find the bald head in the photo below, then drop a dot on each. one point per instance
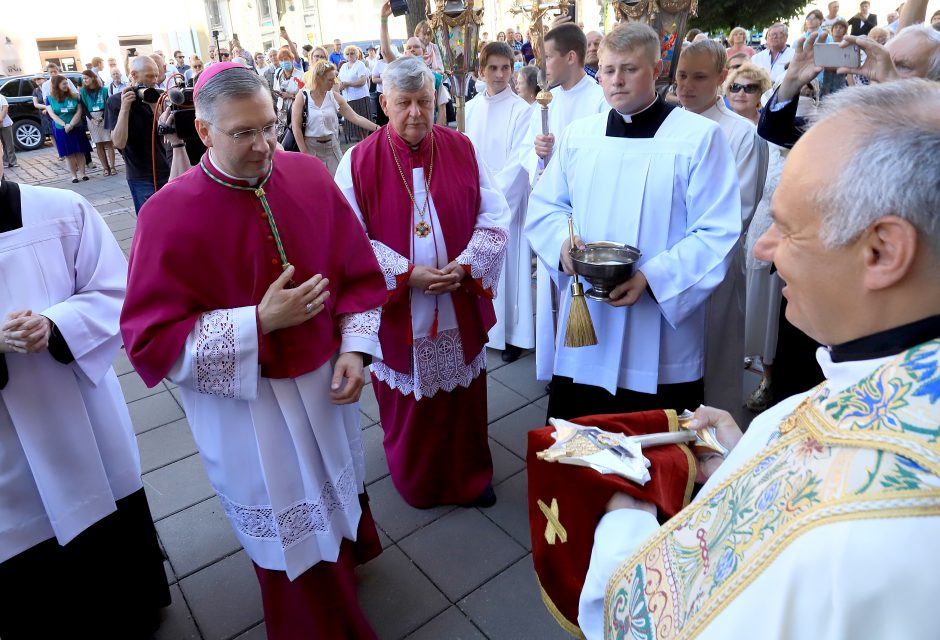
(144, 71)
(414, 47)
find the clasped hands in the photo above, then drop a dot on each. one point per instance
(434, 282)
(728, 433)
(626, 294)
(25, 332)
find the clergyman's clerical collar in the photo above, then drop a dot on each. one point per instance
(215, 165)
(889, 342)
(642, 124)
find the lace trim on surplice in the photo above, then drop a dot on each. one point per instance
(364, 324)
(392, 263)
(215, 354)
(300, 520)
(485, 254)
(438, 365)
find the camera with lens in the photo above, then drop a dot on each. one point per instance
(145, 93)
(184, 114)
(399, 7)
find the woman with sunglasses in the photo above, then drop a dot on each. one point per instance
(744, 87)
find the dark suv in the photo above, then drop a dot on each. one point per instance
(27, 120)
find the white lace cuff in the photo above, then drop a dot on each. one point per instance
(392, 263)
(485, 254)
(360, 332)
(220, 357)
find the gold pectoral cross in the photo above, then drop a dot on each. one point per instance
(422, 229)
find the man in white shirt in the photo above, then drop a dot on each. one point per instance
(699, 77)
(816, 522)
(777, 54)
(609, 173)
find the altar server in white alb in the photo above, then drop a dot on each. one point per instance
(497, 124)
(823, 521)
(658, 178)
(699, 77)
(575, 95)
(78, 551)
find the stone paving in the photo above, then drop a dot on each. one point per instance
(446, 573)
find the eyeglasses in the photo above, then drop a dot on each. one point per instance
(223, 55)
(749, 89)
(248, 136)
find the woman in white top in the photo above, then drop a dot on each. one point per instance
(320, 136)
(354, 84)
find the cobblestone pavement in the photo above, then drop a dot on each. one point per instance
(445, 572)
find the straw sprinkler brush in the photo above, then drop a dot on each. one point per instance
(579, 331)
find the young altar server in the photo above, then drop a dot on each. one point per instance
(574, 95)
(439, 228)
(699, 77)
(78, 551)
(823, 520)
(497, 124)
(651, 176)
(263, 324)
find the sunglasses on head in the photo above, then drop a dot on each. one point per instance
(749, 89)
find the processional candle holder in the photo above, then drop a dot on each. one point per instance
(456, 28)
(535, 11)
(668, 18)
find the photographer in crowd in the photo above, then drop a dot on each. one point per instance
(131, 113)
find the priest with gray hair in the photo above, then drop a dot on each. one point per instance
(265, 330)
(822, 521)
(438, 226)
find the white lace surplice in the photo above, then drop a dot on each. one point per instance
(287, 464)
(438, 362)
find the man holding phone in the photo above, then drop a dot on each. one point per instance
(913, 53)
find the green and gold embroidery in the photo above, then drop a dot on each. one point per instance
(872, 451)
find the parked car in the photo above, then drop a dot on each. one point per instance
(27, 120)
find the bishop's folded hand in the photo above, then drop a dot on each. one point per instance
(282, 307)
(434, 281)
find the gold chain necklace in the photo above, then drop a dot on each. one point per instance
(422, 229)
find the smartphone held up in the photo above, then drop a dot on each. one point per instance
(834, 56)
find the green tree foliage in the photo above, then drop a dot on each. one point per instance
(723, 15)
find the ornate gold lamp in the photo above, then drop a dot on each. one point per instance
(456, 27)
(668, 18)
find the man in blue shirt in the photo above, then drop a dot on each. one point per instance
(337, 56)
